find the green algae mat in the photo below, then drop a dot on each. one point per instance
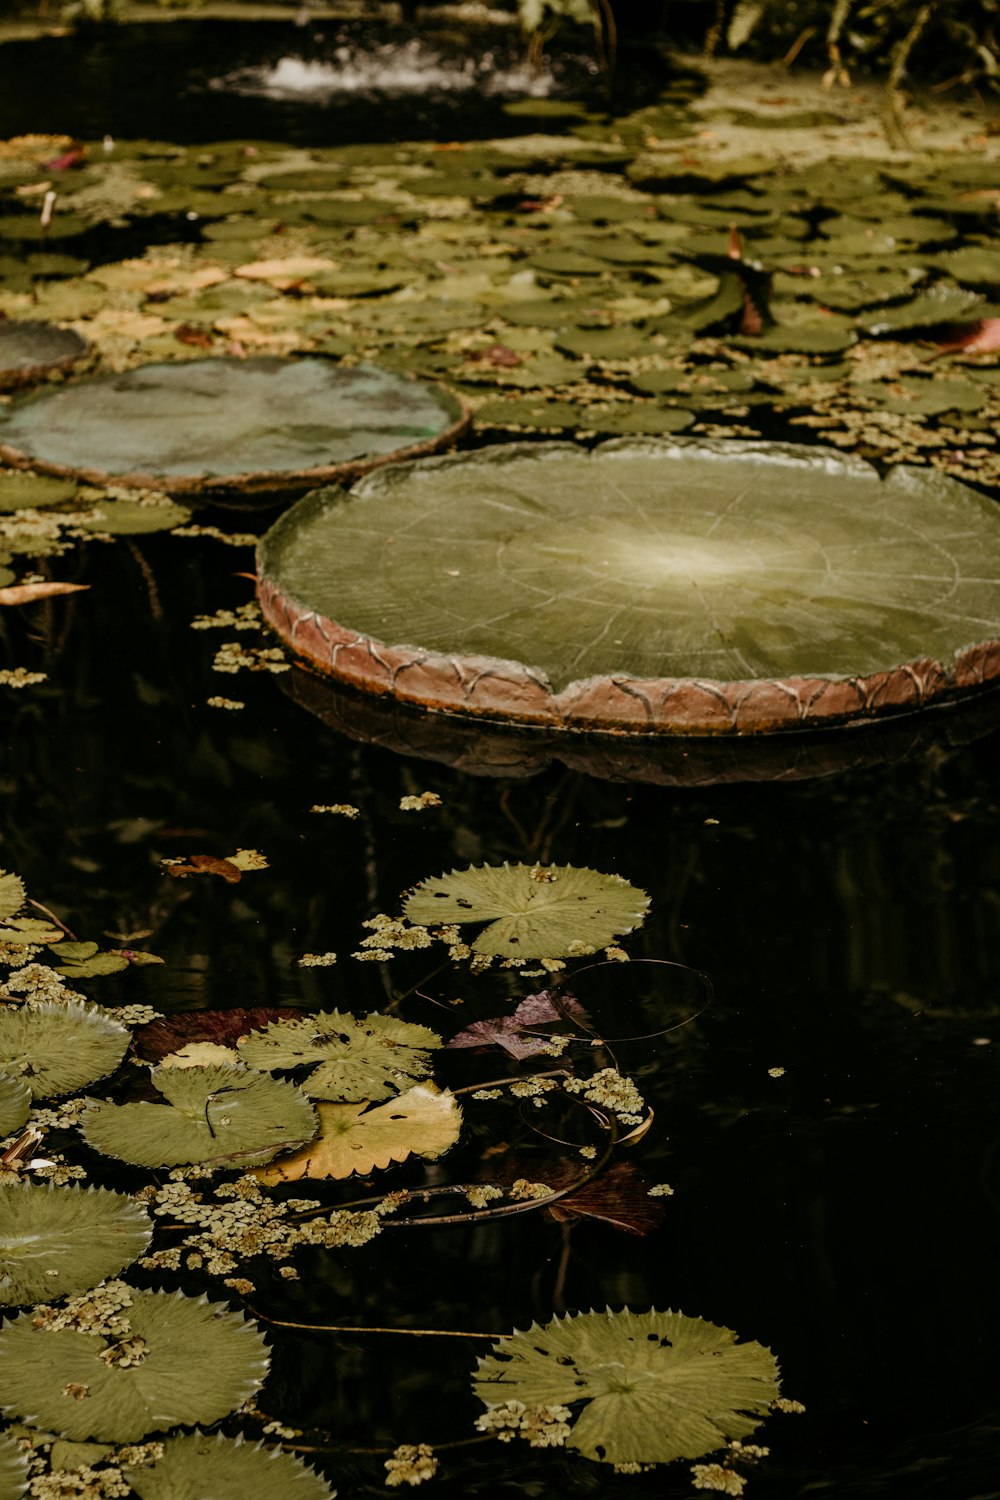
(242, 425)
(647, 585)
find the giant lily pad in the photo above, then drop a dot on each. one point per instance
(349, 1058)
(228, 1469)
(701, 587)
(182, 1360)
(239, 425)
(57, 1048)
(218, 1114)
(534, 911)
(655, 1386)
(56, 1241)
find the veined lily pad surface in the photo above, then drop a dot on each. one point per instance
(647, 585)
(55, 1241)
(229, 424)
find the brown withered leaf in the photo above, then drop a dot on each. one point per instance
(206, 864)
(619, 1197)
(27, 593)
(423, 1121)
(172, 1033)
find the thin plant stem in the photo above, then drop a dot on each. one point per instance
(892, 109)
(430, 1333)
(52, 917)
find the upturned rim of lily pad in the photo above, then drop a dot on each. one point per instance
(496, 688)
(252, 482)
(21, 377)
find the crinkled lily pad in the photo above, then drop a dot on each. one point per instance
(424, 1121)
(216, 1114)
(59, 1048)
(534, 911)
(349, 1057)
(654, 1386)
(197, 1465)
(939, 304)
(194, 1361)
(56, 1241)
(646, 585)
(242, 425)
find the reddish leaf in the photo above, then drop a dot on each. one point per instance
(206, 864)
(497, 354)
(160, 1038)
(74, 157)
(512, 1032)
(198, 338)
(27, 593)
(619, 1197)
(978, 338)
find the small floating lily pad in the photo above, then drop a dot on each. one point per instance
(31, 350)
(655, 1386)
(240, 425)
(180, 1360)
(349, 1057)
(58, 1048)
(195, 1465)
(533, 911)
(648, 585)
(56, 1241)
(223, 1114)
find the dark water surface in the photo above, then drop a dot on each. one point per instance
(844, 1214)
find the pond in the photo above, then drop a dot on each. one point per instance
(809, 1005)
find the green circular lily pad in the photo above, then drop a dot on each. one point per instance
(15, 1103)
(181, 1360)
(195, 1465)
(13, 1469)
(31, 350)
(220, 1114)
(702, 587)
(57, 1241)
(231, 425)
(58, 1048)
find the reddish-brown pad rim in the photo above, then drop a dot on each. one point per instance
(492, 688)
(21, 377)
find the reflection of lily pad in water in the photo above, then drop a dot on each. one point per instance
(217, 424)
(647, 585)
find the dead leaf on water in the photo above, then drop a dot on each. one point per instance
(424, 1121)
(27, 593)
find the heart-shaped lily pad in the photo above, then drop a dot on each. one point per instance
(216, 1114)
(424, 1121)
